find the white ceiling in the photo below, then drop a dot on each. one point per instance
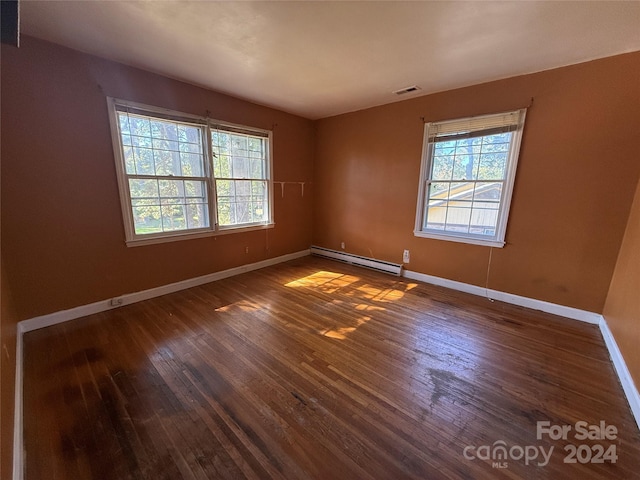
(318, 59)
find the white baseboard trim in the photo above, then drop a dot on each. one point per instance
(628, 385)
(18, 443)
(532, 303)
(129, 298)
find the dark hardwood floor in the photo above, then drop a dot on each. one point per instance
(316, 369)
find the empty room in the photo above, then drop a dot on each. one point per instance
(320, 240)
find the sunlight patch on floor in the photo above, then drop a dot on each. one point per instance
(243, 305)
(381, 295)
(369, 308)
(342, 332)
(329, 282)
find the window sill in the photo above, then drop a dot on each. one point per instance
(460, 239)
(139, 242)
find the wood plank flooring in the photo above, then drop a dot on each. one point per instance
(316, 369)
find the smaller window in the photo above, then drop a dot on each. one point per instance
(467, 175)
(241, 172)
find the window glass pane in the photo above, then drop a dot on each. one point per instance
(188, 134)
(164, 130)
(458, 219)
(488, 193)
(439, 191)
(484, 221)
(187, 147)
(256, 146)
(436, 216)
(221, 148)
(221, 141)
(258, 188)
(170, 188)
(239, 145)
(259, 201)
(222, 165)
(167, 163)
(438, 196)
(225, 188)
(197, 215)
(162, 144)
(139, 141)
(445, 148)
(173, 217)
(492, 166)
(498, 138)
(461, 191)
(225, 214)
(123, 120)
(243, 210)
(442, 167)
(147, 219)
(191, 164)
(143, 158)
(129, 162)
(140, 188)
(240, 167)
(194, 189)
(464, 167)
(139, 126)
(257, 168)
(243, 188)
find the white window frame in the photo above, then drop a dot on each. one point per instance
(433, 130)
(207, 125)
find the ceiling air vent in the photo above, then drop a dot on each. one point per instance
(411, 89)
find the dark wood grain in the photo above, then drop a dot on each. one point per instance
(315, 369)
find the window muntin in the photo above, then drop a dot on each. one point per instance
(185, 175)
(468, 169)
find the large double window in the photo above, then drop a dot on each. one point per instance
(467, 176)
(182, 175)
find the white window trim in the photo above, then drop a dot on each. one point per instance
(503, 216)
(131, 238)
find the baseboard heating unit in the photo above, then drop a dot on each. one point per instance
(372, 263)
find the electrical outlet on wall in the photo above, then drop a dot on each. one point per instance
(405, 256)
(342, 245)
(116, 302)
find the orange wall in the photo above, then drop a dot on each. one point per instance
(63, 237)
(8, 321)
(622, 310)
(576, 177)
